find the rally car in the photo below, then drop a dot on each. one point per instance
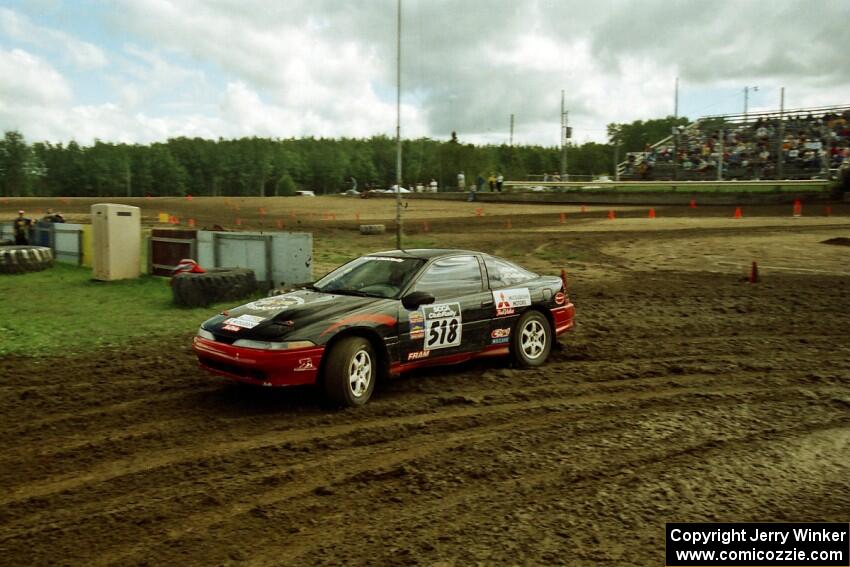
(386, 313)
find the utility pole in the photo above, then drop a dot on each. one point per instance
(780, 157)
(511, 142)
(398, 133)
(676, 99)
(564, 137)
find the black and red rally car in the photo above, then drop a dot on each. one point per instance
(386, 313)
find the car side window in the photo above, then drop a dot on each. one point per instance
(452, 276)
(502, 273)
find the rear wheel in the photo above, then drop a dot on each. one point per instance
(532, 339)
(350, 371)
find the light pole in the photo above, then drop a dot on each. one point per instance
(398, 134)
(747, 100)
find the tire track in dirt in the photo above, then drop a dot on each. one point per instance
(218, 448)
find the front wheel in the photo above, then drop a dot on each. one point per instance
(532, 340)
(349, 375)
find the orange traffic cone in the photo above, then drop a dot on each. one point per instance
(425, 227)
(508, 224)
(238, 221)
(612, 215)
(651, 213)
(738, 213)
(479, 212)
(563, 218)
(827, 211)
(583, 209)
(262, 211)
(357, 217)
(693, 204)
(754, 274)
(191, 223)
(798, 208)
(279, 224)
(189, 197)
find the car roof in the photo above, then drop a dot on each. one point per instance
(423, 253)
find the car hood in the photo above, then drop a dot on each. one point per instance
(303, 313)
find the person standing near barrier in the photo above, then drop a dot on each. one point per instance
(461, 181)
(499, 180)
(492, 181)
(433, 185)
(21, 227)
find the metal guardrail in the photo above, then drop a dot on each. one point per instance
(614, 184)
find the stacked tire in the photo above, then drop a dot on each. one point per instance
(23, 259)
(213, 286)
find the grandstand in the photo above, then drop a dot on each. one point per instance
(805, 143)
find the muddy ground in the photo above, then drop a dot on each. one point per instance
(684, 394)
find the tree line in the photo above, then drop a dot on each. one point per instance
(268, 167)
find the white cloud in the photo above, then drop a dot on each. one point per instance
(327, 68)
(80, 53)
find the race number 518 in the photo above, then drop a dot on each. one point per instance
(443, 332)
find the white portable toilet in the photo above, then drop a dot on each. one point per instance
(117, 235)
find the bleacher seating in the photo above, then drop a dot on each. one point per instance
(798, 144)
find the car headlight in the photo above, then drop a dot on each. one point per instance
(269, 345)
(204, 334)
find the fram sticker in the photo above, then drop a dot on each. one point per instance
(508, 300)
(231, 328)
(443, 325)
(416, 317)
(244, 321)
(419, 354)
(305, 364)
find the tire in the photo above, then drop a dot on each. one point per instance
(372, 229)
(21, 259)
(531, 340)
(350, 372)
(213, 286)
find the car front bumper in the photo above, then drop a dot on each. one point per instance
(293, 367)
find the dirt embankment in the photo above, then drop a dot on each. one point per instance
(680, 397)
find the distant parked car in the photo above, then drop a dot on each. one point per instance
(305, 193)
(352, 192)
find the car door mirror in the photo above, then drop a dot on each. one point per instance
(415, 299)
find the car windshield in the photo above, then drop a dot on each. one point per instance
(371, 276)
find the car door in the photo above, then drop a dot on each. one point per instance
(510, 294)
(458, 320)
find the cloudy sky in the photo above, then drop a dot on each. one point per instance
(146, 70)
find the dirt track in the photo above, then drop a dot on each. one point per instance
(683, 395)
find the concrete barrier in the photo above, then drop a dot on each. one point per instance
(630, 193)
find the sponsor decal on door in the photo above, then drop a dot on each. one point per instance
(508, 300)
